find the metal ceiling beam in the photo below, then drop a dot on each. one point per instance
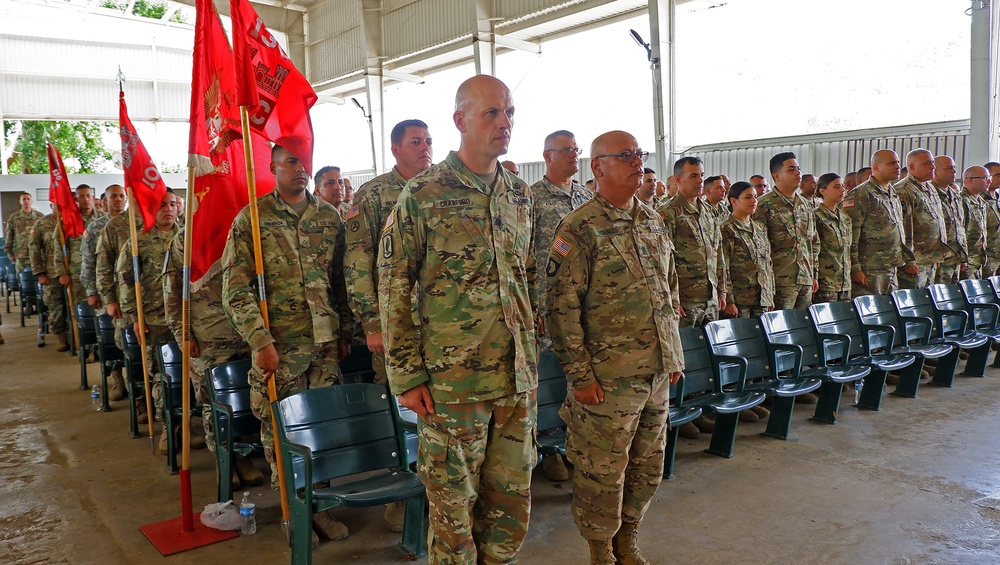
(484, 47)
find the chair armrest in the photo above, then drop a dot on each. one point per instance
(843, 339)
(878, 328)
(995, 308)
(921, 321)
(794, 349)
(743, 364)
(306, 454)
(218, 409)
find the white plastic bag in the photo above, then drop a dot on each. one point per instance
(222, 516)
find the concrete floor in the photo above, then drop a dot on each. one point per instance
(916, 483)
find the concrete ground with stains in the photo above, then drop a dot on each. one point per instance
(916, 483)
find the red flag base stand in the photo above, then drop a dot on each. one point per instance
(186, 532)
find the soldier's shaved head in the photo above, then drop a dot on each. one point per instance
(617, 179)
(944, 170)
(975, 179)
(484, 114)
(885, 166)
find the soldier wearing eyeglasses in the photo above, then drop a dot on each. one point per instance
(992, 200)
(612, 312)
(974, 183)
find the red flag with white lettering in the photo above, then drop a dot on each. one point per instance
(61, 195)
(215, 148)
(276, 94)
(141, 174)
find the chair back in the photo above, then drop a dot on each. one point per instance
(876, 309)
(995, 283)
(357, 367)
(793, 327)
(699, 370)
(229, 384)
(85, 325)
(106, 338)
(551, 391)
(169, 361)
(24, 282)
(739, 337)
(950, 297)
(917, 303)
(12, 276)
(978, 291)
(839, 318)
(349, 428)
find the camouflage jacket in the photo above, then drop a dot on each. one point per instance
(468, 246)
(303, 275)
(74, 247)
(791, 230)
(109, 246)
(41, 245)
(701, 268)
(152, 253)
(954, 221)
(550, 204)
(974, 208)
(834, 228)
(748, 257)
(924, 224)
(17, 233)
(208, 320)
(372, 203)
(612, 296)
(878, 241)
(88, 269)
(720, 212)
(992, 213)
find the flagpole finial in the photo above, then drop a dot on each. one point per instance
(121, 80)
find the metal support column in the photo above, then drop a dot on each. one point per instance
(661, 42)
(483, 41)
(982, 119)
(371, 28)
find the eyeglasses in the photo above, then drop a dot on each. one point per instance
(627, 156)
(974, 178)
(567, 150)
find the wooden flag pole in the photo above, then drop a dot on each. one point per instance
(185, 475)
(69, 288)
(133, 232)
(272, 391)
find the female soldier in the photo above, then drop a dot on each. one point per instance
(750, 284)
(834, 228)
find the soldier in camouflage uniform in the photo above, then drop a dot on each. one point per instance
(152, 246)
(611, 278)
(302, 247)
(992, 200)
(462, 231)
(716, 188)
(70, 278)
(691, 227)
(16, 232)
(835, 232)
(976, 209)
(42, 241)
(878, 246)
(553, 197)
(954, 214)
(924, 223)
(791, 230)
(747, 251)
(411, 146)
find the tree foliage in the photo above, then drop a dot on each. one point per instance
(80, 144)
(154, 9)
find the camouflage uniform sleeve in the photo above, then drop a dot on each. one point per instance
(338, 286)
(8, 245)
(402, 244)
(906, 203)
(722, 267)
(89, 245)
(239, 286)
(58, 254)
(676, 353)
(104, 269)
(856, 212)
(173, 282)
(814, 248)
(38, 266)
(360, 264)
(126, 282)
(728, 242)
(568, 279)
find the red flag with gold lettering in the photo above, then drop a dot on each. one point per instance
(141, 174)
(61, 195)
(276, 94)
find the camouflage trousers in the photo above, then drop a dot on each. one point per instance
(990, 268)
(973, 272)
(155, 337)
(878, 283)
(798, 297)
(321, 369)
(475, 461)
(822, 296)
(378, 363)
(617, 450)
(55, 300)
(925, 277)
(946, 273)
(212, 353)
(79, 294)
(697, 314)
(751, 311)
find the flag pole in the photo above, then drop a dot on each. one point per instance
(133, 232)
(69, 289)
(187, 517)
(272, 391)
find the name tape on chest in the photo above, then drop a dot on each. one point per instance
(273, 224)
(452, 203)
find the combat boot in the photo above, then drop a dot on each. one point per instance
(141, 416)
(328, 527)
(395, 513)
(749, 416)
(625, 548)
(704, 425)
(163, 442)
(689, 431)
(116, 388)
(807, 398)
(63, 342)
(250, 475)
(554, 468)
(600, 552)
(197, 441)
(761, 412)
(41, 338)
(1, 339)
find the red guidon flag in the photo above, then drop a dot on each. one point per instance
(141, 174)
(61, 195)
(215, 146)
(275, 93)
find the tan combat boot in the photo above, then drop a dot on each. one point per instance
(163, 442)
(554, 468)
(626, 551)
(250, 475)
(328, 527)
(63, 342)
(1, 339)
(395, 514)
(116, 388)
(600, 552)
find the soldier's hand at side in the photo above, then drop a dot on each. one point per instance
(815, 285)
(135, 328)
(343, 349)
(267, 360)
(912, 270)
(418, 399)
(961, 268)
(94, 301)
(722, 302)
(859, 277)
(375, 343)
(43, 279)
(114, 310)
(680, 312)
(731, 310)
(64, 280)
(590, 394)
(674, 377)
(193, 348)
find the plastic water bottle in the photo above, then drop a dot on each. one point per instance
(95, 398)
(858, 385)
(249, 512)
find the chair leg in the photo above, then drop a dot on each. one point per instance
(414, 531)
(828, 403)
(670, 452)
(779, 423)
(82, 355)
(724, 436)
(301, 524)
(996, 360)
(975, 366)
(133, 430)
(909, 379)
(944, 374)
(224, 459)
(871, 391)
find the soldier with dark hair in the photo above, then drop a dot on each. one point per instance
(835, 232)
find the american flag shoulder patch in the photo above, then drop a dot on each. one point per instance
(561, 247)
(390, 220)
(352, 212)
(847, 204)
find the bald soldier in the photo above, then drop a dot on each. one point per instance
(974, 183)
(924, 224)
(611, 278)
(462, 231)
(992, 199)
(943, 181)
(878, 246)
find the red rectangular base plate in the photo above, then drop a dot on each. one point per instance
(169, 536)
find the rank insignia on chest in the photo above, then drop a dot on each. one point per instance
(561, 247)
(352, 212)
(643, 250)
